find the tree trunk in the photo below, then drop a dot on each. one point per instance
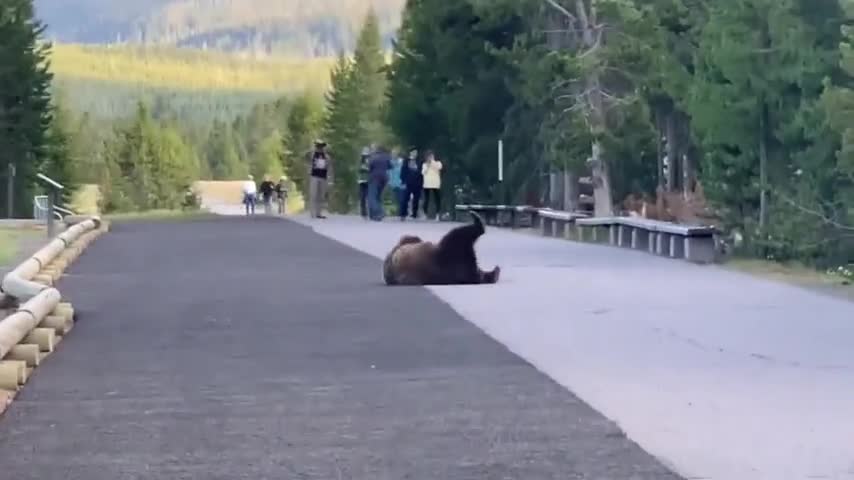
(687, 176)
(602, 197)
(688, 164)
(572, 191)
(673, 156)
(603, 203)
(556, 190)
(659, 150)
(763, 168)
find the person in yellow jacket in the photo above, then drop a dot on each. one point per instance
(432, 171)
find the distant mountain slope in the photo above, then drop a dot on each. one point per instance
(295, 27)
(106, 81)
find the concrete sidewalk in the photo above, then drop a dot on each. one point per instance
(722, 375)
(234, 348)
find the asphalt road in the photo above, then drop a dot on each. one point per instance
(255, 348)
(722, 375)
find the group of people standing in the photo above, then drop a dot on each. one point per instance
(267, 189)
(409, 179)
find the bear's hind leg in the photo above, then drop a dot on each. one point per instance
(490, 277)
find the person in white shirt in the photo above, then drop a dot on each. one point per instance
(250, 193)
(432, 171)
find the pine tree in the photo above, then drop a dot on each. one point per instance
(61, 156)
(832, 204)
(149, 166)
(302, 125)
(268, 157)
(450, 92)
(369, 79)
(759, 67)
(344, 129)
(25, 110)
(224, 153)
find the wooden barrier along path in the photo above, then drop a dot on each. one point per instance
(694, 243)
(40, 319)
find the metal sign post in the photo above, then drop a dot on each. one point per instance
(500, 171)
(53, 187)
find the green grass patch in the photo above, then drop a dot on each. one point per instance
(176, 215)
(796, 274)
(11, 240)
(789, 272)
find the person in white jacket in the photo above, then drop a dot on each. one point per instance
(250, 193)
(432, 171)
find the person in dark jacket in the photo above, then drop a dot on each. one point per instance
(378, 167)
(321, 168)
(413, 182)
(267, 189)
(363, 181)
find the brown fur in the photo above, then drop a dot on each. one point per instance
(414, 261)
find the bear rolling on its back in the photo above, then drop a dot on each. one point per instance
(450, 262)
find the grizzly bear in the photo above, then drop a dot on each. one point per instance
(452, 261)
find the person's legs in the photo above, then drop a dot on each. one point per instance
(252, 204)
(403, 202)
(363, 199)
(416, 198)
(438, 202)
(379, 200)
(321, 198)
(313, 196)
(374, 199)
(397, 197)
(427, 194)
(434, 194)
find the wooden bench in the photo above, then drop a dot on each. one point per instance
(557, 223)
(497, 214)
(694, 243)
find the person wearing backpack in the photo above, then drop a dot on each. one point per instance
(321, 172)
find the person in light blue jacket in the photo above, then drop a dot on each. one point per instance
(394, 180)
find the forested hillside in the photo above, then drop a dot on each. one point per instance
(316, 28)
(108, 81)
